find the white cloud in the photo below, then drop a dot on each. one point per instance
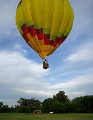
(19, 48)
(35, 92)
(14, 65)
(73, 83)
(83, 53)
(80, 85)
(21, 76)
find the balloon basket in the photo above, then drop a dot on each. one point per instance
(45, 64)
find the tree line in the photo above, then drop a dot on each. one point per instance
(60, 103)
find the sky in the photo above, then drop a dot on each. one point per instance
(71, 65)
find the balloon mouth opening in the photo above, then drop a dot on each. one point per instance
(43, 54)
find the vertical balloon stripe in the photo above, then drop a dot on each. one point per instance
(33, 33)
(30, 44)
(19, 18)
(70, 24)
(68, 28)
(36, 12)
(56, 41)
(32, 30)
(28, 35)
(64, 26)
(29, 21)
(57, 17)
(24, 29)
(48, 7)
(46, 39)
(25, 7)
(27, 40)
(66, 17)
(40, 33)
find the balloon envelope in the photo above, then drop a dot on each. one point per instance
(44, 24)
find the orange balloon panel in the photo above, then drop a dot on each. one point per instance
(44, 24)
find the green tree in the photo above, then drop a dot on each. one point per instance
(61, 97)
(52, 105)
(87, 104)
(58, 107)
(1, 106)
(28, 105)
(83, 104)
(47, 105)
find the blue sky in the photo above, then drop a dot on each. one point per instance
(71, 65)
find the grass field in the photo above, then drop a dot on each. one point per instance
(18, 116)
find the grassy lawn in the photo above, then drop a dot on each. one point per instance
(19, 116)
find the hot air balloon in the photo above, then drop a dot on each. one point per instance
(44, 24)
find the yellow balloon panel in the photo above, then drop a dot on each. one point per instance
(36, 12)
(25, 7)
(57, 16)
(44, 24)
(47, 7)
(66, 17)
